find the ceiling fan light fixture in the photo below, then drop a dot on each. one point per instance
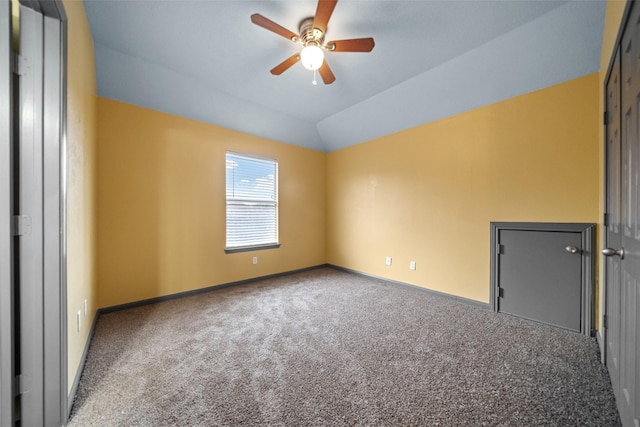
(311, 57)
(311, 37)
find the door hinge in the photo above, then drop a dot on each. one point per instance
(500, 249)
(605, 118)
(18, 385)
(21, 225)
(20, 64)
(500, 292)
(605, 321)
(17, 65)
(606, 219)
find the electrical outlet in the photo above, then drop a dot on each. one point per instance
(255, 259)
(79, 320)
(388, 260)
(84, 305)
(412, 265)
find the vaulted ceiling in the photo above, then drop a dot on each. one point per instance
(206, 61)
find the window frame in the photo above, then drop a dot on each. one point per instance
(276, 203)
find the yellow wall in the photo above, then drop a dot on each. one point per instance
(428, 194)
(81, 181)
(15, 25)
(161, 205)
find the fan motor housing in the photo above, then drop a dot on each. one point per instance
(310, 35)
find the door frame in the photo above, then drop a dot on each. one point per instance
(587, 277)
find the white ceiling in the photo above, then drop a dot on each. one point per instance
(205, 60)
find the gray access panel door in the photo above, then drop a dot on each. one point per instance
(539, 276)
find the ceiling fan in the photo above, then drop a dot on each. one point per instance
(312, 32)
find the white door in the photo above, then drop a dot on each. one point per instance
(623, 222)
(39, 298)
(30, 209)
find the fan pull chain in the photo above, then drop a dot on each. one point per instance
(314, 82)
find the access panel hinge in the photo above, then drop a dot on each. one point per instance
(21, 225)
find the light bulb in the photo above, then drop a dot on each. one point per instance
(311, 57)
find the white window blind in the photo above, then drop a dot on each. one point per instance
(252, 202)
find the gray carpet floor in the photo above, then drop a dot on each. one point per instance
(325, 347)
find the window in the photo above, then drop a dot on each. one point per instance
(252, 203)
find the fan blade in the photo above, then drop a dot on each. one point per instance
(353, 45)
(323, 13)
(268, 24)
(326, 73)
(285, 65)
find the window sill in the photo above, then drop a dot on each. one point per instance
(251, 248)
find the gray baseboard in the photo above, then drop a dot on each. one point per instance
(203, 290)
(83, 360)
(600, 340)
(485, 306)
